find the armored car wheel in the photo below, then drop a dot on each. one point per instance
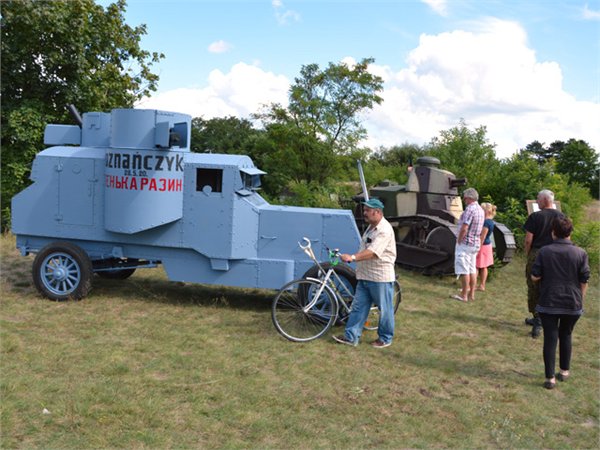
(115, 268)
(62, 271)
(117, 274)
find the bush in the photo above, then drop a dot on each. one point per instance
(514, 216)
(587, 236)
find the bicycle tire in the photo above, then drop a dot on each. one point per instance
(372, 322)
(289, 317)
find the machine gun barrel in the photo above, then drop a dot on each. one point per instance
(75, 114)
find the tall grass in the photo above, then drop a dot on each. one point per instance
(147, 363)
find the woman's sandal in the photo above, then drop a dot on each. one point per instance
(549, 384)
(459, 298)
(563, 376)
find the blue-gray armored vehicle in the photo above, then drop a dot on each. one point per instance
(121, 190)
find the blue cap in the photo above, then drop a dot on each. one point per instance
(373, 203)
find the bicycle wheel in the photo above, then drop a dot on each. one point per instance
(344, 282)
(372, 322)
(291, 319)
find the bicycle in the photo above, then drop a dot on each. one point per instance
(306, 308)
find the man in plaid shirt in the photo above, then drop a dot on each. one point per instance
(470, 225)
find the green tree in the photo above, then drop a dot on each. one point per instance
(222, 135)
(579, 162)
(467, 154)
(520, 178)
(574, 159)
(295, 156)
(59, 52)
(544, 154)
(326, 104)
(313, 138)
(392, 163)
(230, 135)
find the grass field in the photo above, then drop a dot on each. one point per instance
(148, 363)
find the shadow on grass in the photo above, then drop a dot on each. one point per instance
(462, 371)
(458, 317)
(149, 289)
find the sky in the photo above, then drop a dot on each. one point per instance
(526, 70)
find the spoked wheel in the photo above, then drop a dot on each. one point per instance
(62, 271)
(372, 322)
(293, 321)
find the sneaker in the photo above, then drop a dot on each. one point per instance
(380, 344)
(343, 340)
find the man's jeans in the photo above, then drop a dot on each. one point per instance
(368, 293)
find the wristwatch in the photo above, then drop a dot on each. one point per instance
(353, 257)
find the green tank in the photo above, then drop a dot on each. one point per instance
(424, 213)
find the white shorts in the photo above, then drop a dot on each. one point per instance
(465, 257)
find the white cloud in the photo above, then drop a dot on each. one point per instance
(488, 76)
(219, 47)
(590, 14)
(240, 92)
(439, 6)
(282, 15)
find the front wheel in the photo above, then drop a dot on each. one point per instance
(372, 322)
(62, 271)
(290, 316)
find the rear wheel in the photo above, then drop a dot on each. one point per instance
(62, 271)
(115, 268)
(117, 274)
(372, 322)
(289, 314)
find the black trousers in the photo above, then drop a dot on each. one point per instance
(558, 328)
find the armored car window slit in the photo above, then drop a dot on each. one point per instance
(209, 177)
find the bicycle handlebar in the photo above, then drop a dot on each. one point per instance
(304, 247)
(334, 254)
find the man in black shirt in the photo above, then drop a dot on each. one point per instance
(538, 233)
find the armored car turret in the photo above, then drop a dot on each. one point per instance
(122, 190)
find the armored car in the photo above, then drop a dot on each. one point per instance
(122, 190)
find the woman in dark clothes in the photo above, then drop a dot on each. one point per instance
(563, 271)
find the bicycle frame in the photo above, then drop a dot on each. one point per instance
(326, 281)
(306, 308)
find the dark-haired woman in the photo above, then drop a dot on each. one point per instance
(563, 271)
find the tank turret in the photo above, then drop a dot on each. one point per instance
(429, 190)
(425, 212)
